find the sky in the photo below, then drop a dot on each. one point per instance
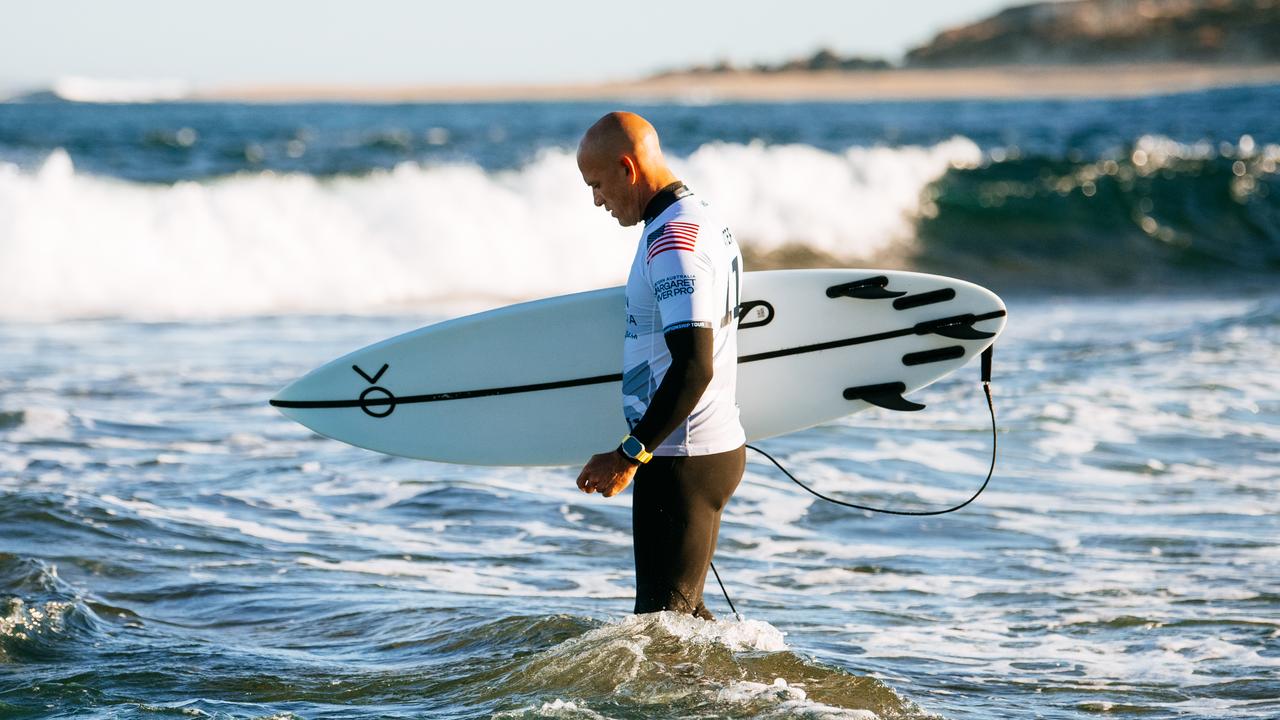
(235, 43)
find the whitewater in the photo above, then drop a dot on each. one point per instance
(79, 245)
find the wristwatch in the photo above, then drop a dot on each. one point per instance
(633, 450)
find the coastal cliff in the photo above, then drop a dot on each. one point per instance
(1112, 31)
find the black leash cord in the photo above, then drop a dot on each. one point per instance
(726, 592)
(986, 389)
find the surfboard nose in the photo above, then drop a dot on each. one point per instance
(331, 381)
(281, 402)
(292, 399)
(285, 394)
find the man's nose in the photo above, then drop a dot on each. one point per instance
(597, 198)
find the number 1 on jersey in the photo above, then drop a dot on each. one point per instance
(732, 295)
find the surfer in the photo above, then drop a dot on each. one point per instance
(685, 451)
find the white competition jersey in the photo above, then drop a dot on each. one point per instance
(687, 273)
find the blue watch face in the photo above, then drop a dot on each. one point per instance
(632, 447)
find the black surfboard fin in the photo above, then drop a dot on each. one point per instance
(872, 288)
(963, 332)
(959, 327)
(885, 395)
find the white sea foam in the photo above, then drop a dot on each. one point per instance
(78, 88)
(732, 634)
(23, 621)
(431, 537)
(76, 245)
(791, 701)
(208, 517)
(557, 708)
(448, 577)
(984, 646)
(40, 423)
(736, 635)
(860, 203)
(568, 709)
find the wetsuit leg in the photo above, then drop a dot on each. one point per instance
(675, 521)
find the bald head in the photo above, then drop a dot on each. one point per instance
(621, 160)
(621, 133)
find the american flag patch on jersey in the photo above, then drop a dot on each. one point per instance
(672, 236)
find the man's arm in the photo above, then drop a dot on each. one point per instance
(677, 395)
(681, 388)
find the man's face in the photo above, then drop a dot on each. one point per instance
(612, 187)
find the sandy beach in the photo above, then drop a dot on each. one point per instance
(896, 84)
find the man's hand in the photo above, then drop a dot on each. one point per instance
(607, 473)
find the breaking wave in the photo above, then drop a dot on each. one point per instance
(77, 245)
(1156, 211)
(80, 245)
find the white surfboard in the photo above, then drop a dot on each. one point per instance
(539, 383)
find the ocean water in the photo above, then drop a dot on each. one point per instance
(172, 547)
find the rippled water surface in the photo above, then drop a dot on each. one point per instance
(171, 547)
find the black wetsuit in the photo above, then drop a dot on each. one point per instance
(675, 518)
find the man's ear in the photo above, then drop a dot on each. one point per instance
(629, 164)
